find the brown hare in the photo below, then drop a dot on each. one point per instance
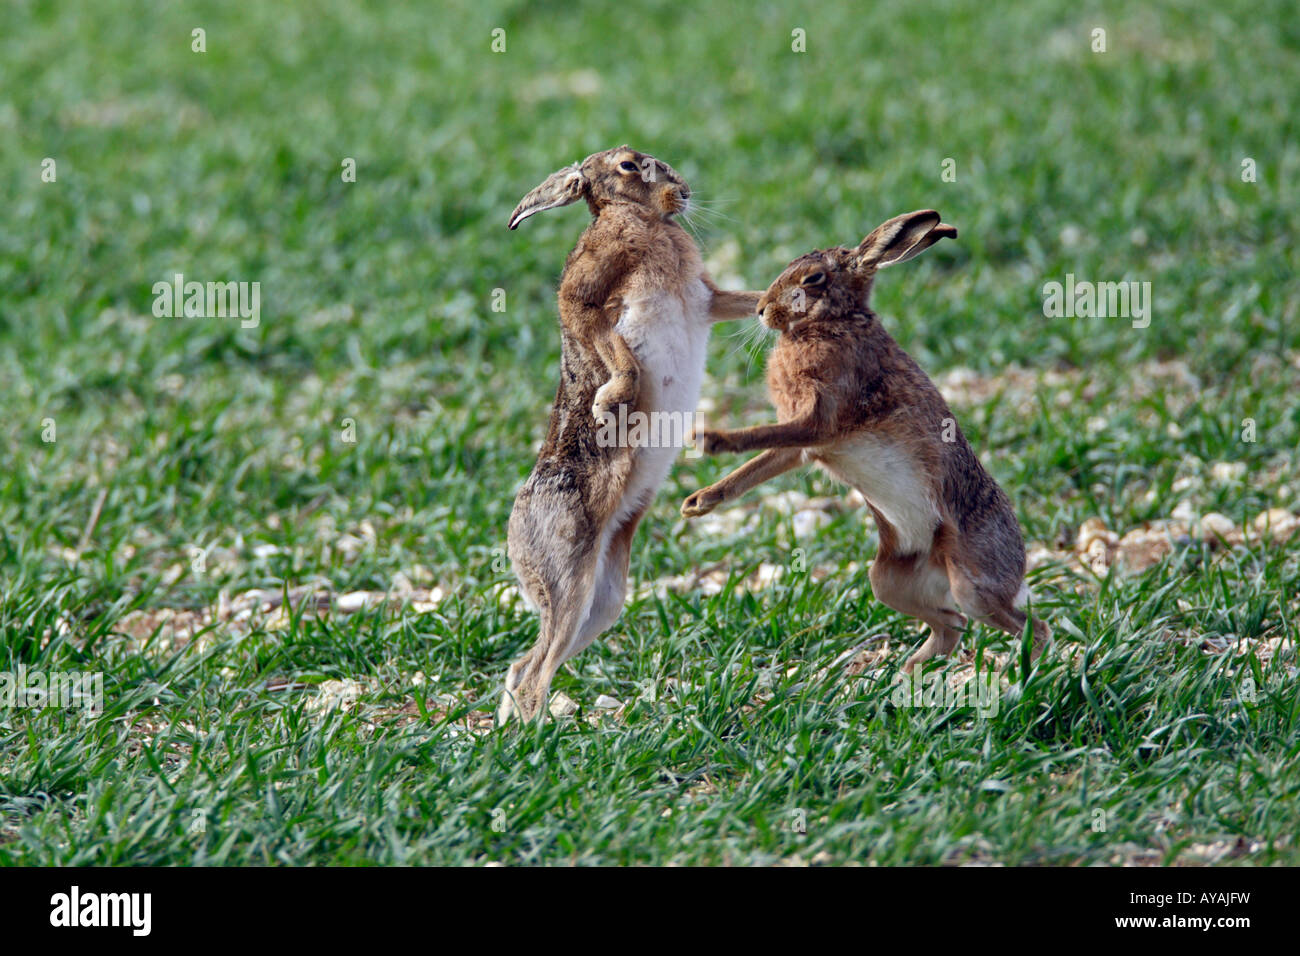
(851, 400)
(635, 310)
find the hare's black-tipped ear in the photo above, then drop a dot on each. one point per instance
(562, 187)
(901, 238)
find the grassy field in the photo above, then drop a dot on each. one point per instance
(168, 481)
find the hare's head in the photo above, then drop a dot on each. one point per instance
(833, 283)
(620, 175)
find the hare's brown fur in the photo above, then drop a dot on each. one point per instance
(851, 400)
(635, 306)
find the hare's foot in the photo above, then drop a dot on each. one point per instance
(523, 702)
(617, 391)
(702, 502)
(518, 696)
(941, 642)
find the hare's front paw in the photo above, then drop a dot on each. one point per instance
(609, 397)
(701, 503)
(710, 442)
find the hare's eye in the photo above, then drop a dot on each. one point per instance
(817, 278)
(628, 166)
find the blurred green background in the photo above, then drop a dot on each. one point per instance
(226, 166)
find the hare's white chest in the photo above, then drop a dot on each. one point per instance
(669, 332)
(892, 481)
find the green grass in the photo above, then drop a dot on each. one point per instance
(741, 729)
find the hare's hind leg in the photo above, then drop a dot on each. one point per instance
(919, 589)
(553, 548)
(610, 589)
(995, 607)
(1011, 618)
(528, 682)
(942, 641)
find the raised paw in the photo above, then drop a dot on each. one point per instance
(710, 442)
(701, 503)
(609, 397)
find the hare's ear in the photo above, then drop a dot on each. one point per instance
(901, 238)
(562, 187)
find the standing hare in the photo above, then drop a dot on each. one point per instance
(850, 399)
(635, 310)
